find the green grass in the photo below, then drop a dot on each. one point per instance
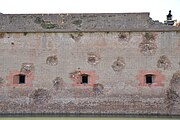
(81, 118)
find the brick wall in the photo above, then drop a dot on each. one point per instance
(116, 64)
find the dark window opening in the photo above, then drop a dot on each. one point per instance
(149, 79)
(21, 79)
(84, 78)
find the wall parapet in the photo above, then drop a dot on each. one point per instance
(87, 22)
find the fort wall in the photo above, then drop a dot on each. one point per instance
(133, 70)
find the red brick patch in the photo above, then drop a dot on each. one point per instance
(76, 77)
(158, 77)
(28, 79)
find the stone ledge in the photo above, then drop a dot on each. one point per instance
(86, 22)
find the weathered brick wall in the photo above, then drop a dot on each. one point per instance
(80, 22)
(116, 64)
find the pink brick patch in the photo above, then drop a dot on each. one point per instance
(13, 82)
(158, 77)
(76, 77)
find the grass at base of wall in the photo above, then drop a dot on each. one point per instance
(83, 118)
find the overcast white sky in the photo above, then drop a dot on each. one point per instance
(158, 8)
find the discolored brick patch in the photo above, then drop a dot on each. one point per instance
(52, 60)
(119, 64)
(164, 62)
(148, 45)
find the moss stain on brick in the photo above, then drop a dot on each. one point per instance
(77, 22)
(45, 23)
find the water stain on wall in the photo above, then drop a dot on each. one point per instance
(123, 36)
(119, 64)
(1, 80)
(175, 81)
(148, 45)
(171, 98)
(2, 35)
(164, 62)
(52, 60)
(76, 36)
(98, 89)
(18, 92)
(40, 96)
(58, 83)
(93, 58)
(173, 93)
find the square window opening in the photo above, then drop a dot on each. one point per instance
(84, 79)
(19, 79)
(149, 78)
(22, 79)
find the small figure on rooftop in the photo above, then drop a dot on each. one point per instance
(169, 16)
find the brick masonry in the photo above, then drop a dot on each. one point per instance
(53, 61)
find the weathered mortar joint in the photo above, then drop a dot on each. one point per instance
(52, 60)
(148, 45)
(119, 64)
(40, 96)
(164, 62)
(93, 58)
(76, 36)
(98, 89)
(58, 83)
